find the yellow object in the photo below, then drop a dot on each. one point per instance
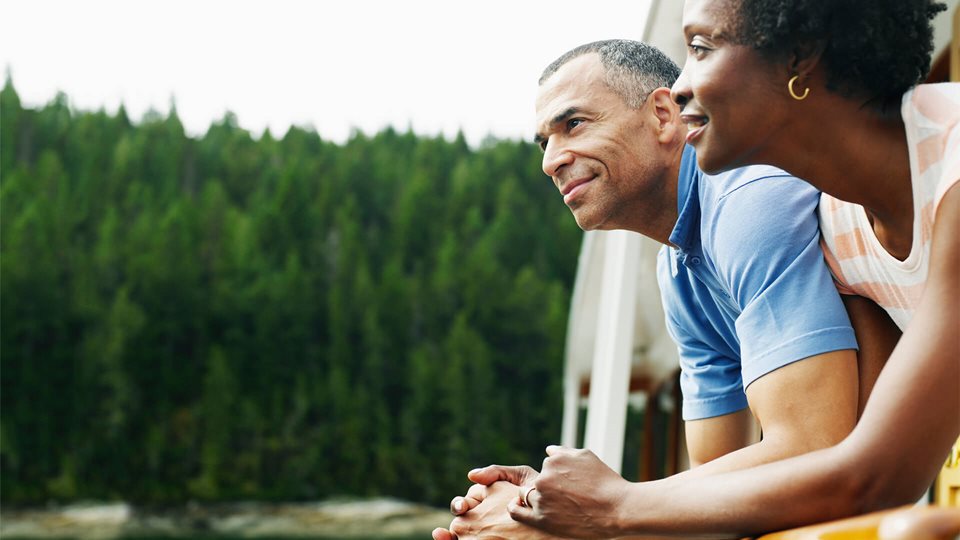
(856, 528)
(806, 91)
(906, 523)
(947, 493)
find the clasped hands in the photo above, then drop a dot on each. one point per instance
(575, 496)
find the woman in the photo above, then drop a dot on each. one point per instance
(826, 90)
(840, 108)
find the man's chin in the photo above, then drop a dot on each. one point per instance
(591, 223)
(594, 217)
(584, 223)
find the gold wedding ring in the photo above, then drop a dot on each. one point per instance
(525, 495)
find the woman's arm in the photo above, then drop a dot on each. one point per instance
(907, 428)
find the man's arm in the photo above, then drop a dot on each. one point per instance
(711, 438)
(910, 421)
(877, 335)
(803, 406)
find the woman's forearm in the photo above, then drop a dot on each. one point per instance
(909, 424)
(890, 458)
(801, 490)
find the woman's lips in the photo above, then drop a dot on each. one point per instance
(695, 125)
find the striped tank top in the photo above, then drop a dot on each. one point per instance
(859, 263)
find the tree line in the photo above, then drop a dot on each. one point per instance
(230, 317)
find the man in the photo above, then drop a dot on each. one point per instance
(744, 287)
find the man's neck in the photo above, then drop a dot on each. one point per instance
(661, 216)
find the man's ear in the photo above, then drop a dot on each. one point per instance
(667, 114)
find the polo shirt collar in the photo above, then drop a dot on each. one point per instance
(684, 234)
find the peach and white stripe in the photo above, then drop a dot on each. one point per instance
(860, 264)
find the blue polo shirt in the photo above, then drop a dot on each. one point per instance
(745, 290)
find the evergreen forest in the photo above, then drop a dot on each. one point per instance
(240, 316)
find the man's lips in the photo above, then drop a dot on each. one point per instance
(571, 188)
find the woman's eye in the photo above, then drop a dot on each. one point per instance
(697, 50)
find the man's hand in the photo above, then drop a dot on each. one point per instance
(576, 495)
(519, 475)
(488, 518)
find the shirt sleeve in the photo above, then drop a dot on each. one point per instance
(951, 163)
(775, 271)
(931, 113)
(710, 379)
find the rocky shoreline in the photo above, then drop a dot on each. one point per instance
(377, 518)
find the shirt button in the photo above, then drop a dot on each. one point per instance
(695, 260)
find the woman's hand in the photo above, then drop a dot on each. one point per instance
(576, 496)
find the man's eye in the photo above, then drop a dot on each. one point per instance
(543, 145)
(573, 122)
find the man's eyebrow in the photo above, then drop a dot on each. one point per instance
(558, 119)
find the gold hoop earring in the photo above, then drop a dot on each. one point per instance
(806, 91)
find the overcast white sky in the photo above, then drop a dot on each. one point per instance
(435, 65)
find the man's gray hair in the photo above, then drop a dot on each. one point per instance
(633, 69)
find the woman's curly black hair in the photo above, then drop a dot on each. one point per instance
(875, 49)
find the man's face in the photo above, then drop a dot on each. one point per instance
(599, 152)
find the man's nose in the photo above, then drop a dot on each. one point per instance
(555, 156)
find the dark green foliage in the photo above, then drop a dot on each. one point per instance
(225, 317)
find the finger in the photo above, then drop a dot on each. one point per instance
(475, 495)
(442, 534)
(556, 450)
(519, 474)
(533, 497)
(522, 514)
(461, 528)
(477, 492)
(462, 505)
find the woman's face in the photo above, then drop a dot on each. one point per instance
(733, 98)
